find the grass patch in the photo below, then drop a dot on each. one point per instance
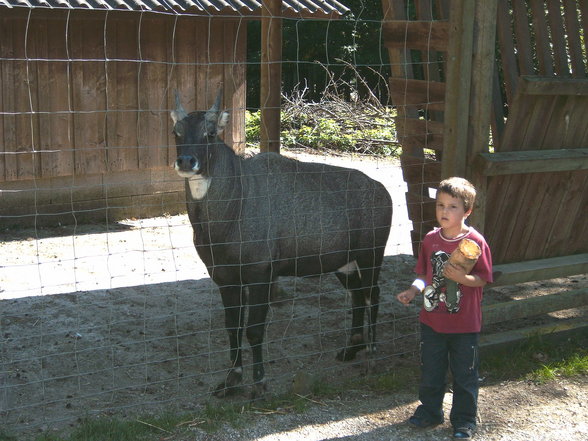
(213, 417)
(400, 379)
(5, 437)
(538, 359)
(571, 366)
(111, 429)
(149, 428)
(210, 419)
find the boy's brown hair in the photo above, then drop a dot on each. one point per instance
(459, 188)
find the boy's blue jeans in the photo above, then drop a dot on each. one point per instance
(459, 353)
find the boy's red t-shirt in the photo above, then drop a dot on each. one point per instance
(435, 250)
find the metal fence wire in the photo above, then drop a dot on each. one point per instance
(115, 314)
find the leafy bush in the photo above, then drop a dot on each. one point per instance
(375, 135)
(342, 120)
(252, 126)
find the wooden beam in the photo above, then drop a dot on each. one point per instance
(420, 35)
(427, 134)
(541, 269)
(420, 208)
(420, 170)
(271, 75)
(400, 64)
(531, 161)
(421, 94)
(549, 330)
(522, 36)
(535, 85)
(558, 38)
(518, 309)
(506, 48)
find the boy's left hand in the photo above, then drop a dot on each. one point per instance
(455, 273)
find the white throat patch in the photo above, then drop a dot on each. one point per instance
(199, 186)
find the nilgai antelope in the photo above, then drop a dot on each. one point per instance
(267, 216)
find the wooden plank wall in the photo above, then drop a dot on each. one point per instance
(88, 92)
(532, 215)
(533, 42)
(85, 97)
(540, 215)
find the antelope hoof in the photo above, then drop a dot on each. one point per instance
(258, 391)
(348, 354)
(356, 344)
(231, 385)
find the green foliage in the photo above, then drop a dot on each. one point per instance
(395, 381)
(112, 429)
(323, 133)
(569, 366)
(252, 126)
(109, 429)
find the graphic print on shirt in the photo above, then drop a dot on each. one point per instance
(435, 292)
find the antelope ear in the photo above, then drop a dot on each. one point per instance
(223, 119)
(178, 127)
(175, 117)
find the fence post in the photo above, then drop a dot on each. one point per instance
(457, 91)
(271, 73)
(470, 68)
(483, 64)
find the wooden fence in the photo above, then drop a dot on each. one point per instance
(84, 108)
(451, 83)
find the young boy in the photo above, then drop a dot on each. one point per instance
(449, 331)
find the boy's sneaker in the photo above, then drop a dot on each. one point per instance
(463, 433)
(422, 423)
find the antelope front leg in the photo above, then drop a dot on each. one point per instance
(234, 316)
(258, 307)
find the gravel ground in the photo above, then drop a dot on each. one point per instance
(514, 411)
(124, 320)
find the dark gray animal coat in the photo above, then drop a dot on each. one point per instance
(267, 216)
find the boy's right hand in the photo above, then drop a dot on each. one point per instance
(405, 297)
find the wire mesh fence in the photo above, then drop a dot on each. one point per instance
(123, 317)
(105, 307)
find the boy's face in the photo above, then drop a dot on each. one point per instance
(450, 211)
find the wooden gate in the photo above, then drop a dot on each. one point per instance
(538, 182)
